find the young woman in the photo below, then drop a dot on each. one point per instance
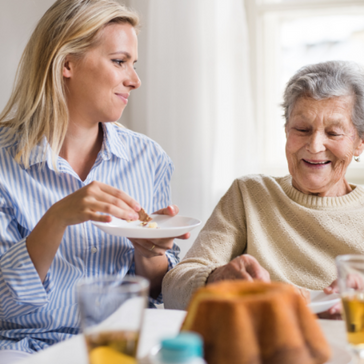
(64, 162)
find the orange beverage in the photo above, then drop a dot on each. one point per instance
(112, 347)
(111, 310)
(353, 305)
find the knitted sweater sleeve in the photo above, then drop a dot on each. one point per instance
(223, 238)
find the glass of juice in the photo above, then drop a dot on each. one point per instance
(111, 310)
(351, 285)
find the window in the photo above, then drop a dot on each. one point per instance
(284, 36)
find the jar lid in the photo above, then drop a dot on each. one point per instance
(182, 348)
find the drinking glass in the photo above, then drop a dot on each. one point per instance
(111, 311)
(351, 285)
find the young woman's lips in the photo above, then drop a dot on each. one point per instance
(123, 97)
(316, 163)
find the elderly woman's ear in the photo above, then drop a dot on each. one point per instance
(359, 150)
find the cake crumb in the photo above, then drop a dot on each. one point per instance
(153, 225)
(143, 216)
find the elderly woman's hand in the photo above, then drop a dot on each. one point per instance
(354, 281)
(244, 267)
(149, 248)
(333, 313)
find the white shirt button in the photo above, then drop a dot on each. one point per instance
(93, 249)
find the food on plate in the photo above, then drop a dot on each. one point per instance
(143, 216)
(153, 225)
(255, 322)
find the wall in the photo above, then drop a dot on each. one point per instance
(18, 18)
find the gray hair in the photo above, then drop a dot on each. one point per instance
(325, 80)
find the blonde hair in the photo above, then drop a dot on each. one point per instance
(37, 107)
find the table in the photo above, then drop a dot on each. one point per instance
(161, 323)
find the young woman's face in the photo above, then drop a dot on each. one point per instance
(98, 85)
(321, 142)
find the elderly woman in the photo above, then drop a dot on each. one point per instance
(290, 228)
(65, 163)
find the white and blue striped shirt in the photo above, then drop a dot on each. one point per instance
(33, 314)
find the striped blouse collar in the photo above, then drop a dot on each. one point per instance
(112, 145)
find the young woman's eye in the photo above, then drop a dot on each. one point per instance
(119, 62)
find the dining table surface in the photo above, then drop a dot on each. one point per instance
(162, 323)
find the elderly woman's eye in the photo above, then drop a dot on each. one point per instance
(302, 130)
(331, 133)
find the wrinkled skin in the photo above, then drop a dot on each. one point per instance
(321, 143)
(244, 267)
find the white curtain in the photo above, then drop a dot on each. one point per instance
(195, 98)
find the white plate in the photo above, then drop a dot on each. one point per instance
(321, 302)
(168, 227)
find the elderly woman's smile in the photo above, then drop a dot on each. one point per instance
(321, 141)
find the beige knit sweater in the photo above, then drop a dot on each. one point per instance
(296, 237)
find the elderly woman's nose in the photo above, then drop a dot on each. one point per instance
(316, 142)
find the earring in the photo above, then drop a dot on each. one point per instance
(357, 158)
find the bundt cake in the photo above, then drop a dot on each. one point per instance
(255, 323)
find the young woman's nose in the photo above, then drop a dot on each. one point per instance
(132, 80)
